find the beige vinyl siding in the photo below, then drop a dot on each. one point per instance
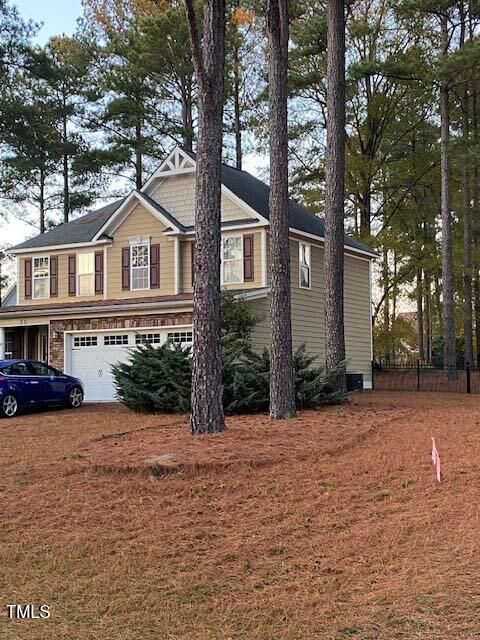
(140, 222)
(186, 264)
(261, 331)
(177, 195)
(358, 316)
(186, 267)
(308, 323)
(62, 276)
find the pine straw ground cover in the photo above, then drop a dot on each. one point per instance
(329, 526)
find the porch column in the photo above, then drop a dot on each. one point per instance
(2, 343)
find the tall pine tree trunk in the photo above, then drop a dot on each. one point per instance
(237, 119)
(427, 322)
(448, 319)
(475, 210)
(420, 317)
(386, 303)
(209, 59)
(282, 393)
(65, 168)
(335, 189)
(187, 117)
(138, 156)
(467, 214)
(41, 200)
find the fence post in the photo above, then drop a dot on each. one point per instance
(469, 381)
(373, 376)
(418, 375)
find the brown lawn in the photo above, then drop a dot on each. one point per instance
(329, 526)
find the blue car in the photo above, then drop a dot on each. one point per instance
(28, 383)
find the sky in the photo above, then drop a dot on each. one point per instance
(58, 16)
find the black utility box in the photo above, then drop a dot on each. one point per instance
(354, 381)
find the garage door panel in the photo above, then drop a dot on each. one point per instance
(93, 355)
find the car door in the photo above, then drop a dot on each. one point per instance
(27, 389)
(49, 387)
(57, 383)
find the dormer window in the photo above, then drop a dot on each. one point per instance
(41, 276)
(140, 264)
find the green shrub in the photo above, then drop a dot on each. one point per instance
(247, 382)
(155, 379)
(158, 380)
(315, 386)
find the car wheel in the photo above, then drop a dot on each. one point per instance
(9, 406)
(75, 397)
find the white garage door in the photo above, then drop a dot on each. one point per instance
(93, 354)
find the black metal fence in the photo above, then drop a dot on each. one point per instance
(423, 377)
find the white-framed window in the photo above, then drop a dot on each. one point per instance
(8, 345)
(140, 265)
(85, 341)
(115, 340)
(232, 259)
(41, 277)
(305, 265)
(180, 337)
(86, 274)
(148, 338)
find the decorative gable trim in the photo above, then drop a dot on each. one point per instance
(177, 162)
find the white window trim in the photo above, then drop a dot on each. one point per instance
(222, 261)
(47, 278)
(300, 265)
(140, 242)
(83, 295)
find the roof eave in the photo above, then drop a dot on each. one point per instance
(56, 247)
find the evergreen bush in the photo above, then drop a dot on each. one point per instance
(155, 379)
(247, 382)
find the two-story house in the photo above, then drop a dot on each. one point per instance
(89, 289)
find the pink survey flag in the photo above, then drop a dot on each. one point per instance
(436, 460)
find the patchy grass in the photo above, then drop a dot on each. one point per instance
(330, 525)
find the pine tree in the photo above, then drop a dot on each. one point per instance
(335, 189)
(209, 59)
(282, 397)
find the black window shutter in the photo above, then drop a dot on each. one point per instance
(125, 268)
(53, 276)
(98, 272)
(72, 274)
(27, 266)
(154, 266)
(248, 274)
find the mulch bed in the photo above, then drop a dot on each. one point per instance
(330, 525)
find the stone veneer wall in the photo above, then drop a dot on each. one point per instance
(58, 328)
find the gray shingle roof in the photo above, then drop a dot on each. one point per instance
(256, 193)
(10, 298)
(81, 229)
(163, 211)
(251, 190)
